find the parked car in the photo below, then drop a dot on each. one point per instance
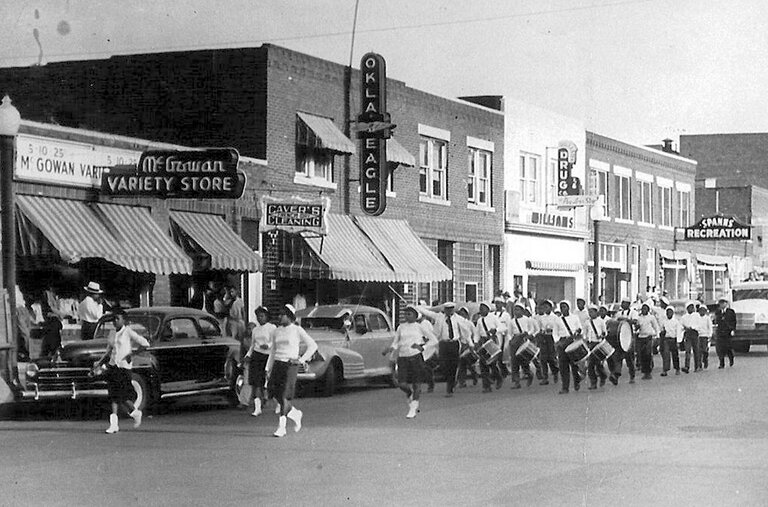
(187, 356)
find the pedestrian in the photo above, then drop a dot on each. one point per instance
(546, 323)
(725, 318)
(567, 331)
(236, 316)
(612, 329)
(257, 357)
(487, 329)
(467, 362)
(411, 338)
(705, 334)
(522, 328)
(627, 314)
(90, 310)
(670, 336)
(450, 337)
(648, 330)
(220, 310)
(283, 365)
(504, 318)
(691, 323)
(594, 333)
(119, 359)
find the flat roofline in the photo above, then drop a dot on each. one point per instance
(647, 149)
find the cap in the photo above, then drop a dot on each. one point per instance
(625, 300)
(664, 300)
(506, 294)
(645, 303)
(670, 307)
(564, 302)
(603, 307)
(463, 309)
(519, 305)
(413, 309)
(593, 307)
(497, 299)
(690, 303)
(449, 304)
(549, 302)
(485, 305)
(289, 310)
(723, 300)
(262, 309)
(581, 299)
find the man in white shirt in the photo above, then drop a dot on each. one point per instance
(691, 323)
(450, 335)
(648, 330)
(90, 310)
(626, 314)
(467, 363)
(595, 332)
(671, 334)
(521, 329)
(504, 318)
(567, 331)
(705, 335)
(545, 323)
(581, 311)
(487, 329)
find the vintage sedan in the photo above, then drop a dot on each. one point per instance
(350, 340)
(187, 356)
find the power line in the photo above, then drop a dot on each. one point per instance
(250, 42)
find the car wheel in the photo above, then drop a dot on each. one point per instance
(237, 389)
(141, 389)
(327, 384)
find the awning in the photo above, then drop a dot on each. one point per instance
(319, 132)
(712, 260)
(674, 255)
(411, 259)
(553, 266)
(397, 154)
(209, 236)
(123, 235)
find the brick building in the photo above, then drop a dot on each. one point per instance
(289, 109)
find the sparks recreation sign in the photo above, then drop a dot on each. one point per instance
(718, 227)
(196, 174)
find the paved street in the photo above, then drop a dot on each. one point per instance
(697, 439)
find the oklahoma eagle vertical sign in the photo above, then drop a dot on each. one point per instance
(373, 128)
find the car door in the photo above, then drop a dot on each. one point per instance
(381, 336)
(214, 351)
(176, 350)
(359, 340)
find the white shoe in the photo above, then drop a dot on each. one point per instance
(136, 415)
(256, 407)
(113, 428)
(295, 415)
(280, 427)
(277, 408)
(413, 408)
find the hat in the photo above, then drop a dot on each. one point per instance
(463, 309)
(449, 304)
(485, 305)
(702, 307)
(518, 305)
(497, 299)
(506, 294)
(690, 303)
(645, 303)
(565, 303)
(723, 300)
(593, 307)
(603, 307)
(413, 309)
(664, 300)
(93, 288)
(288, 310)
(625, 300)
(262, 309)
(581, 299)
(670, 307)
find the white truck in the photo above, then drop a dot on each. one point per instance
(750, 302)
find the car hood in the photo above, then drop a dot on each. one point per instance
(757, 307)
(78, 354)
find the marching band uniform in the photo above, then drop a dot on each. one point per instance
(594, 332)
(612, 330)
(546, 322)
(582, 314)
(704, 335)
(411, 338)
(450, 335)
(671, 335)
(469, 362)
(521, 328)
(487, 329)
(628, 356)
(502, 332)
(648, 329)
(568, 328)
(691, 323)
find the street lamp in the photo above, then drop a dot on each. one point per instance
(596, 214)
(10, 120)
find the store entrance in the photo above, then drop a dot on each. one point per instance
(554, 288)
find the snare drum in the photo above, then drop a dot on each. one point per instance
(527, 352)
(577, 351)
(489, 351)
(468, 354)
(602, 350)
(626, 336)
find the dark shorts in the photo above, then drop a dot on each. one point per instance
(282, 380)
(256, 375)
(410, 369)
(87, 329)
(119, 385)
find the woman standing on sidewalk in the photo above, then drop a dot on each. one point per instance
(258, 355)
(283, 365)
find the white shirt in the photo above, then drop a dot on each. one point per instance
(442, 332)
(285, 344)
(706, 326)
(522, 325)
(504, 319)
(583, 316)
(467, 328)
(630, 314)
(89, 310)
(547, 322)
(672, 328)
(121, 345)
(489, 321)
(409, 334)
(692, 321)
(647, 326)
(261, 339)
(589, 331)
(561, 331)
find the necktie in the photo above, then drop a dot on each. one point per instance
(450, 328)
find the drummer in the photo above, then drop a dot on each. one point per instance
(487, 329)
(546, 323)
(450, 336)
(627, 314)
(504, 317)
(467, 363)
(648, 330)
(595, 332)
(671, 334)
(521, 328)
(567, 331)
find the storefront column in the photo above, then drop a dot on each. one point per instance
(161, 291)
(272, 297)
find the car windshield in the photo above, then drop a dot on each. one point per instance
(322, 323)
(145, 325)
(740, 295)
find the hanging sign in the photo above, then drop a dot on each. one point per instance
(295, 214)
(718, 227)
(568, 186)
(200, 174)
(373, 129)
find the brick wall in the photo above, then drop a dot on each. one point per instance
(468, 268)
(734, 159)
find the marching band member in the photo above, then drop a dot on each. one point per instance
(411, 338)
(469, 362)
(546, 323)
(568, 329)
(521, 328)
(595, 332)
(691, 323)
(629, 315)
(581, 311)
(427, 319)
(283, 365)
(487, 329)
(726, 329)
(612, 330)
(258, 355)
(648, 330)
(671, 334)
(704, 335)
(450, 336)
(504, 318)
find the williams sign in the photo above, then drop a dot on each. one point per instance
(200, 174)
(373, 128)
(713, 228)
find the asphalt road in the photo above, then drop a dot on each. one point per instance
(696, 439)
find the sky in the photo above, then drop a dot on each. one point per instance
(635, 70)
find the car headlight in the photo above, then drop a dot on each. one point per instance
(32, 370)
(317, 357)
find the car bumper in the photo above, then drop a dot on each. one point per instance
(32, 392)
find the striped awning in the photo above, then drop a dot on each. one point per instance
(553, 266)
(674, 255)
(712, 260)
(410, 258)
(123, 235)
(320, 132)
(209, 237)
(397, 154)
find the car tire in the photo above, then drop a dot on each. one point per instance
(327, 385)
(141, 388)
(235, 374)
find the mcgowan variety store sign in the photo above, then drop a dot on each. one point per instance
(295, 214)
(713, 228)
(198, 174)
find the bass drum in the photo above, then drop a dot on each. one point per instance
(626, 336)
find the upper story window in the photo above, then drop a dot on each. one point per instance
(646, 202)
(552, 181)
(530, 178)
(599, 181)
(318, 141)
(433, 168)
(665, 194)
(314, 163)
(624, 196)
(682, 211)
(479, 177)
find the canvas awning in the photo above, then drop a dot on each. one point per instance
(320, 132)
(553, 266)
(397, 154)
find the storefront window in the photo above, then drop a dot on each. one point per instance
(675, 282)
